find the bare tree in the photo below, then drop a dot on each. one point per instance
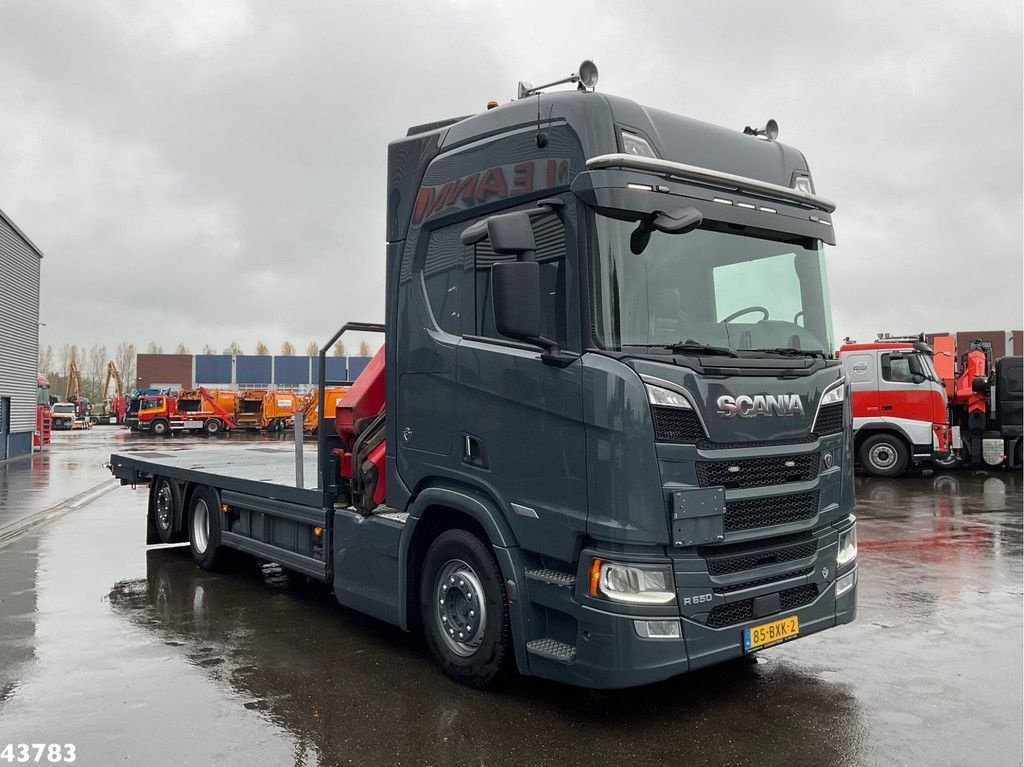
(364, 349)
(154, 348)
(68, 353)
(181, 349)
(339, 348)
(124, 361)
(235, 349)
(287, 349)
(46, 360)
(262, 349)
(312, 349)
(95, 367)
(207, 349)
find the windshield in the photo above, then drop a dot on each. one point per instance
(63, 409)
(709, 287)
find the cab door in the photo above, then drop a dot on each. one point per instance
(905, 395)
(520, 420)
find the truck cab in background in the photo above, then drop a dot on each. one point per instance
(986, 408)
(900, 408)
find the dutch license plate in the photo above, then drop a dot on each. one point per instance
(770, 633)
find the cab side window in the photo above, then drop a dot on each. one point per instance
(896, 369)
(442, 268)
(549, 233)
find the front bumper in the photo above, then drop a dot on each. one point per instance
(610, 654)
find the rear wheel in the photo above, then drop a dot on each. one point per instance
(212, 426)
(166, 508)
(884, 455)
(204, 528)
(463, 608)
(159, 427)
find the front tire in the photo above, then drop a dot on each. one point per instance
(204, 528)
(166, 509)
(160, 427)
(464, 609)
(884, 455)
(212, 426)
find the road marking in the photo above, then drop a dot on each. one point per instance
(16, 529)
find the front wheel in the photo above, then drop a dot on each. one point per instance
(884, 455)
(166, 506)
(463, 608)
(204, 528)
(160, 428)
(212, 426)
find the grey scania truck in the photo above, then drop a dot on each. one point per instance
(607, 441)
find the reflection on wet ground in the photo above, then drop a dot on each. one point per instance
(135, 653)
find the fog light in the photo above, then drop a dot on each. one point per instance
(845, 583)
(658, 629)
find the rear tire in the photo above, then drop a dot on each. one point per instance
(204, 528)
(884, 455)
(212, 426)
(166, 508)
(463, 608)
(159, 427)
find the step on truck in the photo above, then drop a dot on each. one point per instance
(606, 441)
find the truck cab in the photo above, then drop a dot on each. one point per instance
(900, 406)
(155, 412)
(609, 357)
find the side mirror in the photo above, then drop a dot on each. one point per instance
(515, 287)
(509, 234)
(677, 221)
(980, 385)
(918, 378)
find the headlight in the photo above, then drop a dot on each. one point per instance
(657, 395)
(847, 547)
(635, 584)
(832, 396)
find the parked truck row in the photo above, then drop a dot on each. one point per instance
(215, 410)
(607, 440)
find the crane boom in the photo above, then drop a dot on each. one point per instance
(112, 374)
(74, 384)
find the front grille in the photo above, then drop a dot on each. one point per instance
(773, 510)
(829, 420)
(758, 472)
(799, 596)
(742, 610)
(707, 444)
(735, 558)
(674, 424)
(761, 581)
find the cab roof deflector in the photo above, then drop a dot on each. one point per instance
(712, 177)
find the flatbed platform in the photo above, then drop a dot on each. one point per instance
(263, 469)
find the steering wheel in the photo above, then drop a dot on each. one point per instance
(747, 310)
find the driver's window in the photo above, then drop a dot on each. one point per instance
(896, 369)
(771, 283)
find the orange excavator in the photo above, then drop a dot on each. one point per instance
(112, 409)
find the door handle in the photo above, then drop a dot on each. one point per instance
(886, 407)
(473, 451)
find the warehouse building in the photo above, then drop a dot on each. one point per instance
(19, 339)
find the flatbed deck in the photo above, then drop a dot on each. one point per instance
(266, 470)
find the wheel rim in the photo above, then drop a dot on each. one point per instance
(883, 456)
(201, 526)
(459, 609)
(164, 506)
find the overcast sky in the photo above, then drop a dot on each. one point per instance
(208, 172)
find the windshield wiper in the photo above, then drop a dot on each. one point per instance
(792, 351)
(692, 347)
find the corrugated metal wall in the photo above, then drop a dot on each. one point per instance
(19, 325)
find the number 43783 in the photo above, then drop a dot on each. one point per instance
(22, 753)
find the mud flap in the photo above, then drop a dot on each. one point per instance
(698, 516)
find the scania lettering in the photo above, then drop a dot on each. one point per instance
(541, 469)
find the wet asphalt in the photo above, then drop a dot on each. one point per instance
(137, 657)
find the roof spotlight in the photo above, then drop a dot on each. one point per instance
(588, 73)
(770, 130)
(586, 77)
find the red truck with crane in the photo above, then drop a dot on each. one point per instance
(911, 406)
